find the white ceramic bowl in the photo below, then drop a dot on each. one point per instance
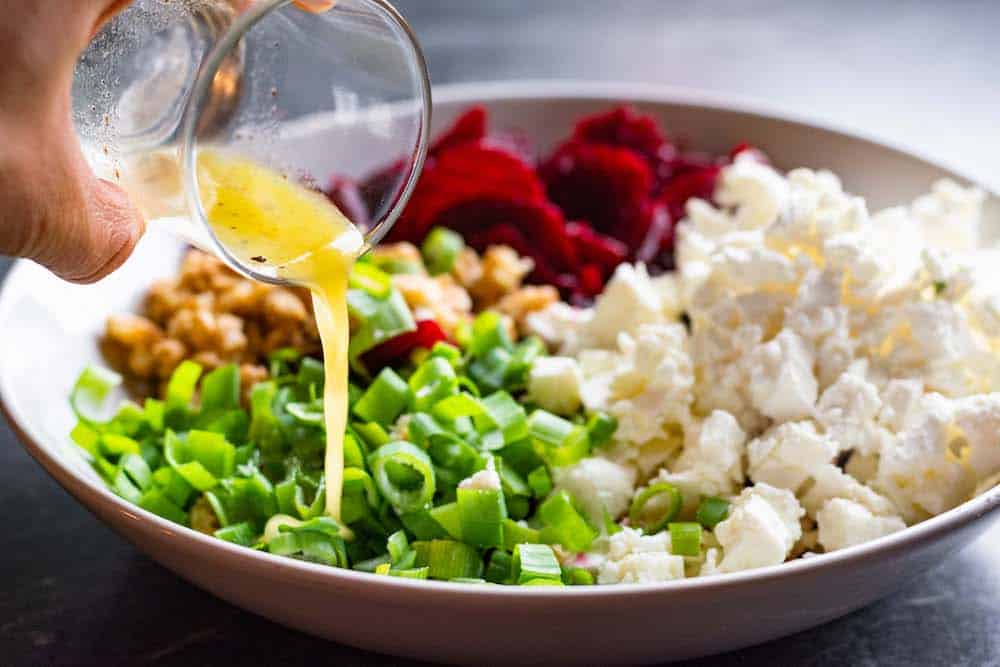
(48, 334)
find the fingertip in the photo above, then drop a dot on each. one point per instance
(315, 6)
(117, 225)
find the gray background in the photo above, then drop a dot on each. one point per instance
(920, 73)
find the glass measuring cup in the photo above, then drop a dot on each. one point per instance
(324, 99)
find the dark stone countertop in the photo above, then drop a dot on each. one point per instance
(75, 593)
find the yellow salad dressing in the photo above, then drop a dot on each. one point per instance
(264, 218)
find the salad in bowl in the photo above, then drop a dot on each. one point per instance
(621, 362)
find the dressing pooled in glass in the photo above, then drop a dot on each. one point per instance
(264, 218)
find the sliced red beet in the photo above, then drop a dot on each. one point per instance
(623, 127)
(467, 128)
(591, 280)
(695, 183)
(399, 347)
(507, 234)
(540, 224)
(601, 184)
(596, 248)
(462, 174)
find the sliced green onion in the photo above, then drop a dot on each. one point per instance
(523, 357)
(521, 456)
(449, 518)
(372, 433)
(137, 469)
(506, 414)
(421, 427)
(220, 390)
(459, 405)
(712, 511)
(155, 411)
(488, 332)
(536, 562)
(368, 277)
(601, 427)
(564, 524)
(411, 573)
(685, 538)
(212, 451)
(177, 455)
(372, 564)
(559, 441)
(447, 559)
(433, 381)
(309, 413)
(86, 437)
(311, 374)
(500, 569)
(397, 545)
(667, 504)
(440, 249)
(380, 319)
(511, 480)
(181, 386)
(265, 430)
(400, 456)
(116, 445)
(91, 390)
(482, 513)
(422, 525)
(173, 485)
(578, 576)
(239, 533)
(540, 482)
(156, 501)
(490, 369)
(448, 352)
(354, 452)
(385, 399)
(514, 533)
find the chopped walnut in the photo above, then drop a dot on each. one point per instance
(439, 296)
(203, 517)
(399, 252)
(503, 270)
(527, 300)
(282, 308)
(467, 269)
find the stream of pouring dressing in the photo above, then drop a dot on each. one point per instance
(264, 218)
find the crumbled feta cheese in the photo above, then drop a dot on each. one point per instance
(761, 529)
(843, 523)
(788, 454)
(559, 325)
(830, 482)
(629, 301)
(782, 384)
(554, 384)
(634, 558)
(919, 471)
(756, 191)
(649, 385)
(486, 479)
(712, 463)
(949, 215)
(847, 410)
(899, 401)
(599, 486)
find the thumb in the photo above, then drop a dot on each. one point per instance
(89, 232)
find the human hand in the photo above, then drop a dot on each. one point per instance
(53, 209)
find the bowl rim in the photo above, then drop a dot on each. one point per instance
(92, 494)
